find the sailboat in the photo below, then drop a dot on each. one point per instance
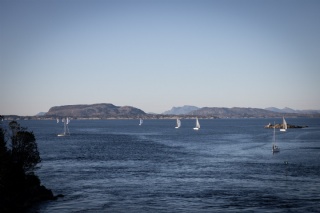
(284, 125)
(197, 125)
(57, 120)
(66, 128)
(141, 121)
(178, 123)
(275, 148)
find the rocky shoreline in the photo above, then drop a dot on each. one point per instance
(280, 126)
(27, 196)
(20, 187)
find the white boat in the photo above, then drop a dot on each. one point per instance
(275, 148)
(57, 120)
(178, 123)
(197, 125)
(141, 121)
(284, 125)
(66, 131)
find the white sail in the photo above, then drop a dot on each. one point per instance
(57, 120)
(66, 131)
(141, 121)
(284, 125)
(197, 125)
(178, 123)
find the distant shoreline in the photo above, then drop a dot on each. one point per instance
(156, 117)
(108, 111)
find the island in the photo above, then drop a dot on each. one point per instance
(280, 126)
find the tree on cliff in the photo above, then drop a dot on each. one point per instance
(24, 148)
(19, 186)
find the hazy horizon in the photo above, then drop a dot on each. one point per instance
(155, 55)
(175, 107)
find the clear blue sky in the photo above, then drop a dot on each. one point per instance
(157, 54)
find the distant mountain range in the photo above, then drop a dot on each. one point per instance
(235, 112)
(110, 111)
(239, 112)
(186, 109)
(289, 110)
(95, 110)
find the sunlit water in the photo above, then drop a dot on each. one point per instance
(226, 166)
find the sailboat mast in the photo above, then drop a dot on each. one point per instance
(274, 134)
(65, 127)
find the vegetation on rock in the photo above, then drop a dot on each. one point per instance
(19, 156)
(95, 110)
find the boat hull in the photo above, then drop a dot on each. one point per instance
(62, 135)
(283, 130)
(275, 149)
(195, 128)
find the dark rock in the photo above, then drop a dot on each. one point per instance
(280, 126)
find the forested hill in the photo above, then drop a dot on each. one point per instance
(235, 112)
(95, 110)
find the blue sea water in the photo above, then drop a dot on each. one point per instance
(226, 166)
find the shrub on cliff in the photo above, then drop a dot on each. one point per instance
(19, 186)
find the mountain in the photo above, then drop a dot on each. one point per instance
(95, 111)
(186, 109)
(284, 110)
(289, 110)
(41, 114)
(235, 112)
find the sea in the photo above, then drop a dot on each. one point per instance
(226, 166)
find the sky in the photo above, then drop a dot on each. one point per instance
(156, 54)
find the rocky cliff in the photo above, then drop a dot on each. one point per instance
(95, 110)
(280, 126)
